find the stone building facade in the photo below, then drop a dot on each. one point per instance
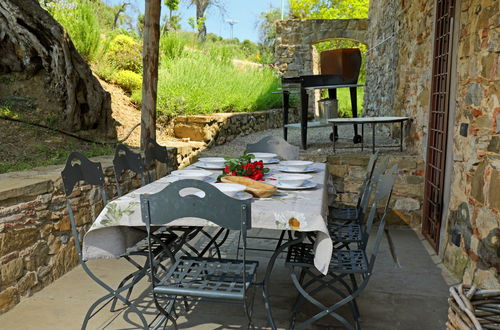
(404, 67)
(398, 82)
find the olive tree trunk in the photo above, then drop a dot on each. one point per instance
(150, 70)
(33, 42)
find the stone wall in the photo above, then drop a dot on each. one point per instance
(348, 171)
(216, 129)
(36, 246)
(474, 209)
(399, 64)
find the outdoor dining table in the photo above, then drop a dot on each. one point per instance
(373, 121)
(296, 210)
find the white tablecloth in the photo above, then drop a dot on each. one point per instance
(302, 210)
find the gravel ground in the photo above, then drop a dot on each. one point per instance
(319, 144)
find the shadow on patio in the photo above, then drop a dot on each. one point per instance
(412, 296)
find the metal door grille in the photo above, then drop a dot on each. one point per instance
(438, 122)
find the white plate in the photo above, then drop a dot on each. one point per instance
(242, 195)
(309, 169)
(208, 166)
(173, 178)
(272, 161)
(306, 185)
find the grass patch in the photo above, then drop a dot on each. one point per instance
(203, 84)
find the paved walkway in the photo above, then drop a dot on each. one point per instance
(412, 296)
(318, 142)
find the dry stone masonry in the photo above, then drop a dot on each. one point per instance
(36, 246)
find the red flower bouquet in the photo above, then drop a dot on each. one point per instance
(243, 166)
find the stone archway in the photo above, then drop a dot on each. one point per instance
(295, 39)
(295, 54)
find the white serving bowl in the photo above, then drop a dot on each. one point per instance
(213, 161)
(292, 180)
(191, 174)
(230, 189)
(296, 165)
(264, 156)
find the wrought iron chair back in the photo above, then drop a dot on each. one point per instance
(368, 176)
(79, 168)
(126, 159)
(383, 192)
(196, 199)
(371, 184)
(344, 263)
(275, 144)
(154, 152)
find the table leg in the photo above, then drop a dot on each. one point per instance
(286, 105)
(354, 108)
(362, 136)
(373, 138)
(401, 138)
(334, 128)
(300, 236)
(304, 102)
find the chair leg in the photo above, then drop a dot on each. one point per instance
(324, 309)
(249, 311)
(357, 315)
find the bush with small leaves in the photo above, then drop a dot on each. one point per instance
(124, 53)
(128, 80)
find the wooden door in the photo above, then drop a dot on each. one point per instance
(438, 121)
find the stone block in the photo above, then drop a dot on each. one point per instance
(477, 183)
(26, 283)
(18, 239)
(8, 298)
(414, 179)
(338, 170)
(193, 132)
(410, 190)
(39, 256)
(494, 191)
(494, 145)
(407, 204)
(34, 189)
(11, 271)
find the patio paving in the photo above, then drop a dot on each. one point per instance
(319, 145)
(412, 296)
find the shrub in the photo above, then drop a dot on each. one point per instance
(128, 80)
(124, 53)
(104, 70)
(172, 46)
(80, 20)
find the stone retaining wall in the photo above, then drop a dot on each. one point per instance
(206, 130)
(36, 246)
(220, 128)
(348, 171)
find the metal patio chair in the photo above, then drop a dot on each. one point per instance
(356, 213)
(79, 168)
(275, 144)
(154, 152)
(344, 263)
(343, 235)
(192, 278)
(126, 159)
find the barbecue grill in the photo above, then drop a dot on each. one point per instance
(339, 68)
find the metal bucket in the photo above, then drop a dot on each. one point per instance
(328, 108)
